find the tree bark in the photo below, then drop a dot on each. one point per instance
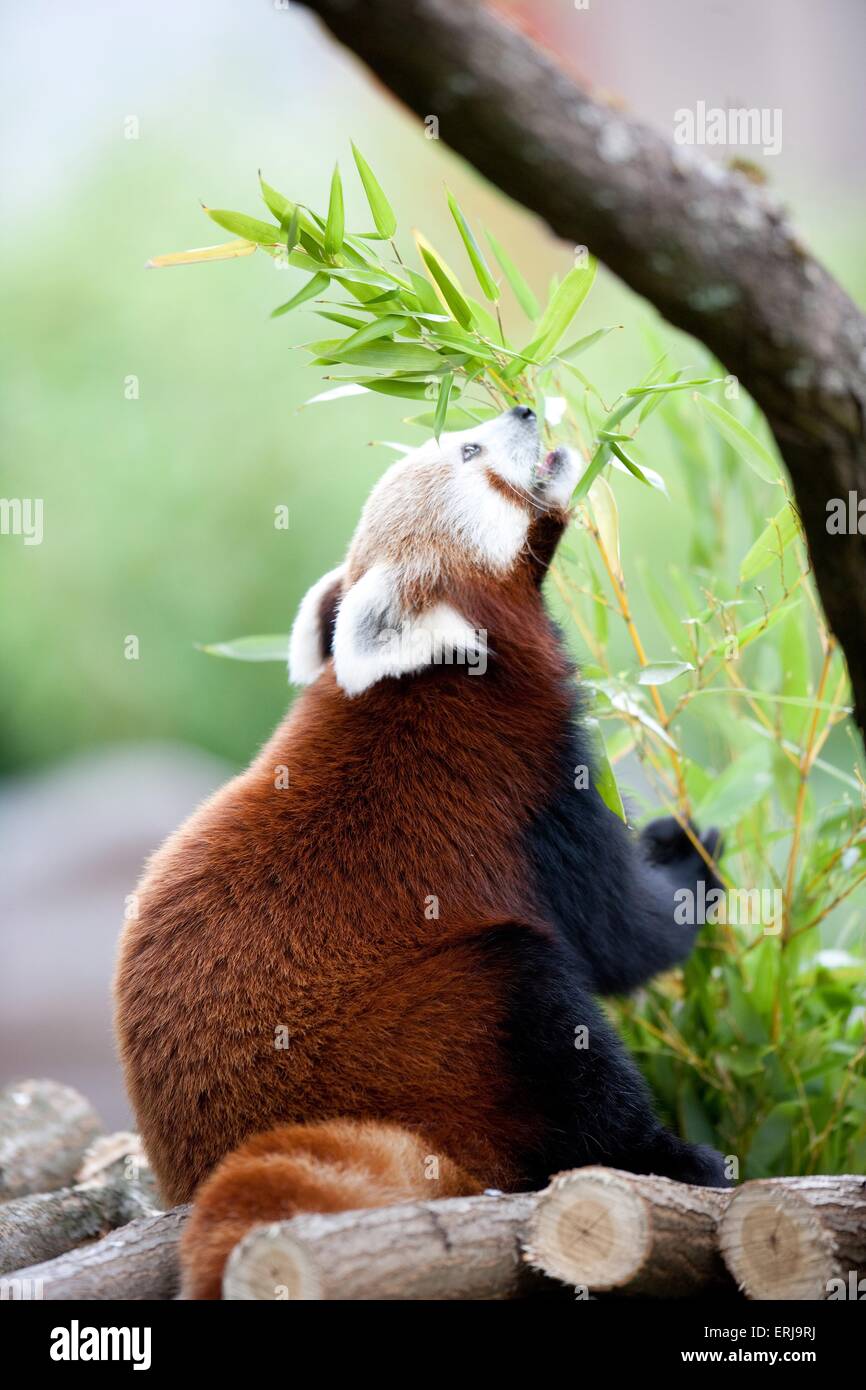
(459, 1248)
(137, 1262)
(710, 250)
(45, 1128)
(797, 1238)
(603, 1230)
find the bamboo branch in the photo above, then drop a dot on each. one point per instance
(713, 252)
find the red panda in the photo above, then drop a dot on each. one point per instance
(360, 971)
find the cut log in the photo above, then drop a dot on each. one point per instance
(137, 1262)
(600, 1229)
(45, 1128)
(459, 1248)
(46, 1224)
(797, 1238)
(116, 1186)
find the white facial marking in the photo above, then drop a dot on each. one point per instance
(491, 524)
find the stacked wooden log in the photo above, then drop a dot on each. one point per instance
(79, 1219)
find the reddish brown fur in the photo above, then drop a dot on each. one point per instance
(331, 1166)
(305, 909)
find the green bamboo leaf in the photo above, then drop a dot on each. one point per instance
(605, 779)
(267, 648)
(458, 418)
(606, 514)
(662, 672)
(562, 308)
(694, 1122)
(489, 287)
(634, 468)
(664, 387)
(424, 291)
(452, 342)
(275, 202)
(522, 293)
(228, 251)
(599, 607)
(653, 402)
(446, 282)
(739, 786)
(442, 403)
(383, 213)
(335, 225)
(291, 225)
(391, 357)
(337, 393)
(745, 444)
(379, 328)
(345, 320)
(568, 354)
(772, 1138)
(624, 699)
(602, 455)
(796, 670)
(250, 228)
(564, 304)
(485, 322)
(773, 541)
(287, 212)
(403, 387)
(664, 609)
(755, 629)
(313, 287)
(348, 276)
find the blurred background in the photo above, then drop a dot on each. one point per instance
(158, 414)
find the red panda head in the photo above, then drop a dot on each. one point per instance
(457, 510)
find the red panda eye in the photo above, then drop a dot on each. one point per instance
(469, 451)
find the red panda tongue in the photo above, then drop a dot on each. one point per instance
(547, 465)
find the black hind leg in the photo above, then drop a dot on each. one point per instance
(579, 1091)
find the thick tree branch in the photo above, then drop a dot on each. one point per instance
(710, 250)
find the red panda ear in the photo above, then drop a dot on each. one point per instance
(312, 639)
(376, 636)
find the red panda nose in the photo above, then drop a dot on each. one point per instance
(523, 412)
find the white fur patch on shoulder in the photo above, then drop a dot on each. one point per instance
(306, 651)
(374, 639)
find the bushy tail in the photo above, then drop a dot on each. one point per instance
(334, 1165)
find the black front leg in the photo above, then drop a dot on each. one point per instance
(613, 895)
